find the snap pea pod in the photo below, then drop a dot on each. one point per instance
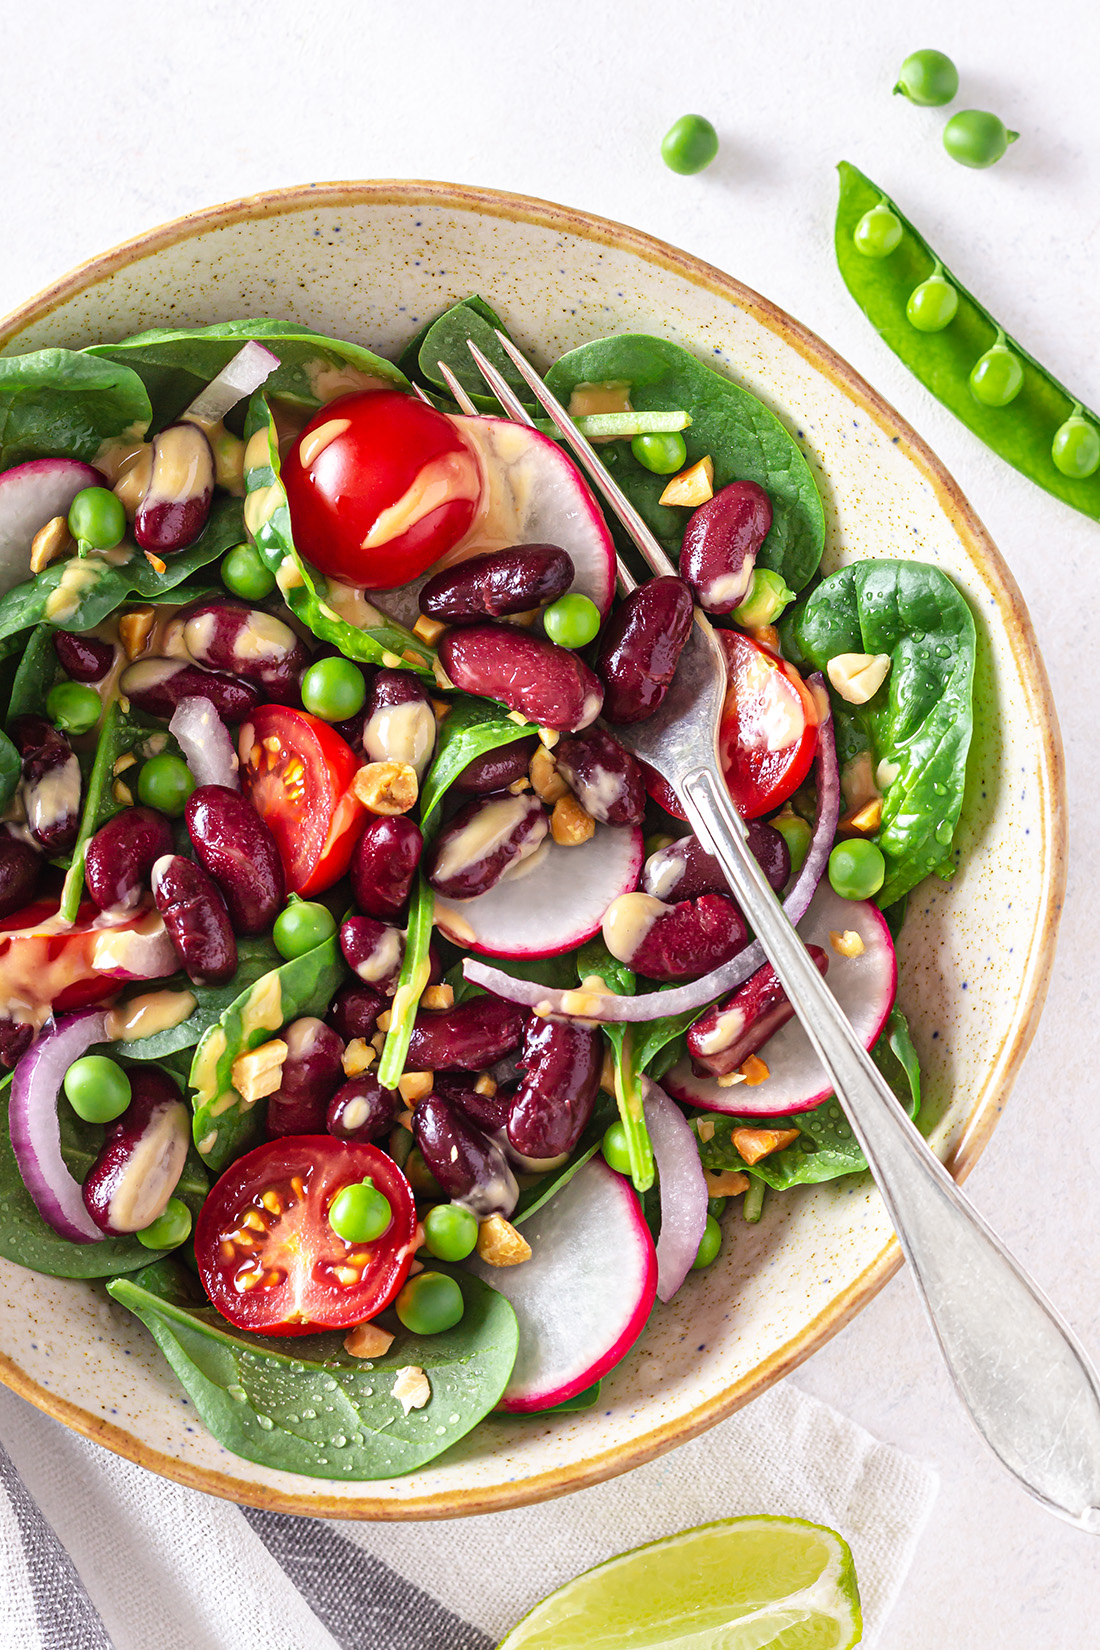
(410, 985)
(595, 958)
(1021, 432)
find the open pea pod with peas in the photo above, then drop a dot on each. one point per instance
(952, 344)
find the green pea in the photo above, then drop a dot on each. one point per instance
(97, 519)
(689, 145)
(74, 707)
(615, 1149)
(300, 926)
(932, 304)
(796, 833)
(170, 1229)
(572, 621)
(997, 377)
(857, 869)
(165, 782)
(430, 1303)
(974, 137)
(662, 454)
(878, 232)
(418, 1174)
(359, 1213)
(333, 689)
(710, 1247)
(928, 78)
(1076, 446)
(97, 1088)
(716, 1206)
(244, 573)
(768, 596)
(450, 1231)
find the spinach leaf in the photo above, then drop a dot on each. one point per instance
(120, 731)
(10, 769)
(175, 363)
(533, 1197)
(744, 439)
(447, 339)
(80, 592)
(826, 1147)
(59, 403)
(305, 1406)
(36, 674)
(267, 516)
(255, 957)
(225, 1123)
(919, 722)
(470, 728)
(415, 968)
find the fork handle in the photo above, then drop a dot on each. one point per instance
(1029, 1387)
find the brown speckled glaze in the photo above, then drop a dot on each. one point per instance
(371, 261)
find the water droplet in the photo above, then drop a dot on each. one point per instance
(292, 1420)
(266, 1422)
(357, 1437)
(368, 1392)
(339, 1441)
(236, 1392)
(453, 1419)
(329, 1384)
(322, 1460)
(440, 1432)
(296, 1365)
(309, 1415)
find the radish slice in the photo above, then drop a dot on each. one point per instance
(552, 902)
(864, 986)
(35, 1131)
(533, 493)
(683, 1190)
(205, 742)
(653, 1005)
(249, 368)
(31, 495)
(584, 1296)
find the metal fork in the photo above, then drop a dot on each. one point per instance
(1027, 1383)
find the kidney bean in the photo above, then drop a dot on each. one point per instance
(384, 864)
(723, 1038)
(496, 770)
(121, 855)
(605, 779)
(374, 950)
(237, 848)
(721, 543)
(84, 658)
(684, 869)
(544, 682)
(247, 642)
(16, 1037)
(488, 1111)
(196, 919)
(469, 1166)
(497, 583)
(311, 1074)
(486, 838)
(468, 1037)
(157, 686)
(20, 868)
(142, 1158)
(50, 787)
(398, 721)
(561, 1061)
(641, 647)
(177, 500)
(362, 1109)
(354, 1011)
(673, 942)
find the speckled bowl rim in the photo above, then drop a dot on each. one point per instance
(1051, 823)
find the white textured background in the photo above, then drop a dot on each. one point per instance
(117, 116)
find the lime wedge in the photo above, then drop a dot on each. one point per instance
(741, 1584)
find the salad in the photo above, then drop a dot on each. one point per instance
(371, 1025)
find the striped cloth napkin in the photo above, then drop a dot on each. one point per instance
(98, 1554)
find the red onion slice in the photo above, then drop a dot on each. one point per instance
(249, 368)
(654, 1005)
(205, 742)
(683, 1189)
(35, 1131)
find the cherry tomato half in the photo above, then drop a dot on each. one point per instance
(296, 771)
(380, 486)
(268, 1257)
(46, 966)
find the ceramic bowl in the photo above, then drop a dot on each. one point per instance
(369, 261)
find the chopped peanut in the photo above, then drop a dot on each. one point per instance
(607, 1072)
(442, 680)
(570, 824)
(485, 1085)
(867, 818)
(438, 996)
(405, 1121)
(857, 677)
(386, 787)
(441, 708)
(378, 1041)
(357, 1057)
(692, 486)
(549, 737)
(848, 944)
(546, 782)
(705, 1131)
(122, 793)
(725, 1182)
(429, 630)
(367, 1340)
(517, 716)
(753, 1144)
(730, 1080)
(392, 661)
(260, 1071)
(754, 1071)
(126, 760)
(383, 1021)
(48, 542)
(135, 629)
(416, 1085)
(411, 1388)
(518, 786)
(499, 1244)
(155, 562)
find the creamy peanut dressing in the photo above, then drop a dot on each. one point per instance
(401, 733)
(664, 877)
(314, 443)
(486, 833)
(527, 862)
(455, 927)
(723, 1034)
(183, 465)
(142, 950)
(600, 794)
(327, 380)
(445, 480)
(612, 397)
(384, 961)
(261, 637)
(257, 452)
(263, 1009)
(228, 451)
(499, 451)
(153, 1012)
(52, 798)
(152, 1171)
(345, 601)
(627, 921)
(204, 1072)
(79, 575)
(259, 507)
